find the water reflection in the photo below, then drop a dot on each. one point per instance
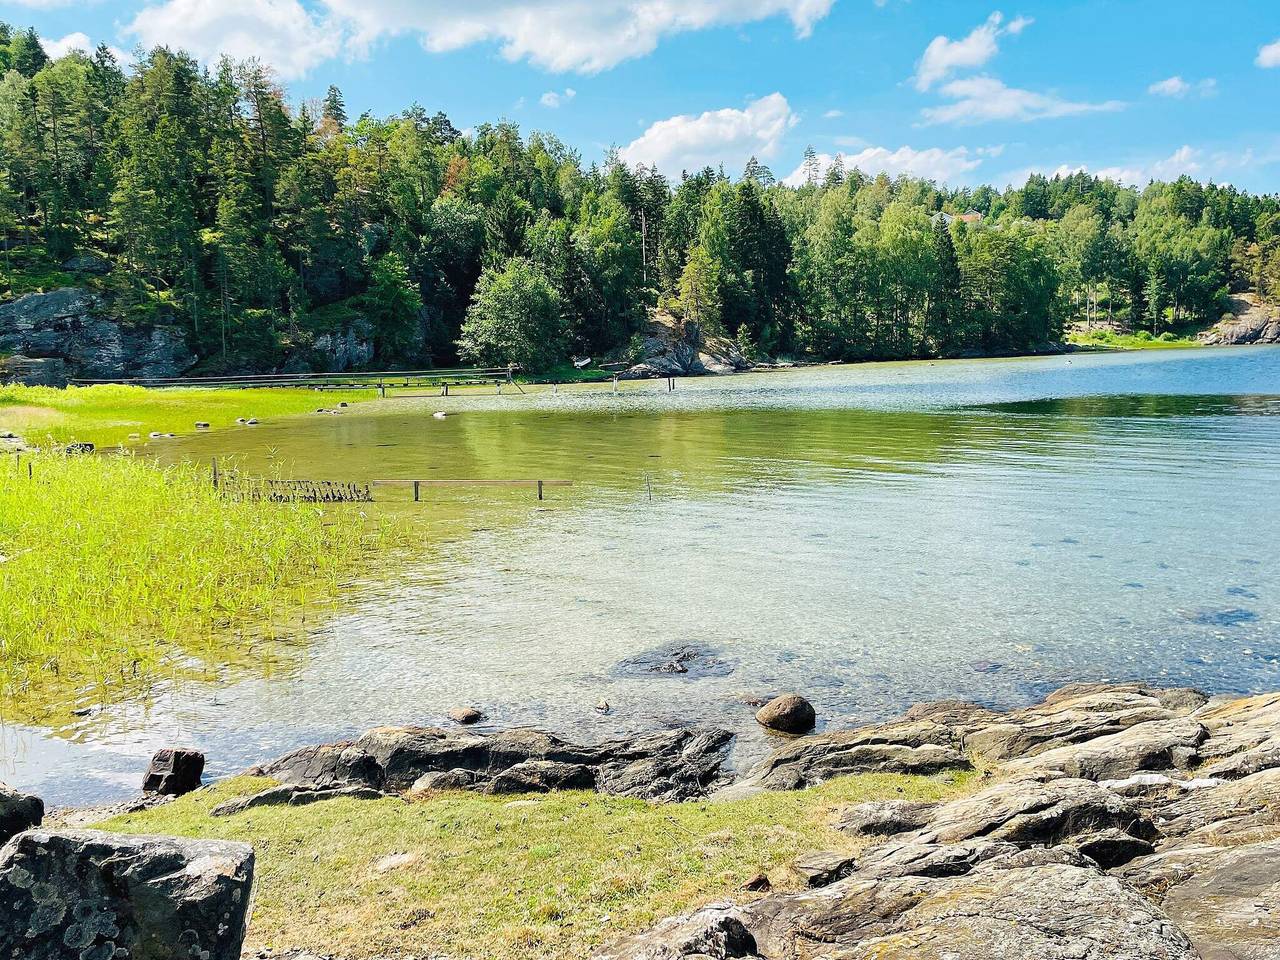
(871, 536)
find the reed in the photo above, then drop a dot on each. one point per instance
(114, 570)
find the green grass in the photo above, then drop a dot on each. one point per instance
(1142, 340)
(115, 571)
(502, 878)
(109, 415)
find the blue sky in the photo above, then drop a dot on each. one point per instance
(960, 91)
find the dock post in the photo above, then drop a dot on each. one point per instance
(539, 489)
(215, 473)
(382, 390)
(615, 384)
(415, 491)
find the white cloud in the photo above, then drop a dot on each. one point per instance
(944, 56)
(1173, 87)
(1269, 55)
(79, 41)
(1185, 160)
(282, 33)
(932, 163)
(833, 115)
(1177, 87)
(553, 99)
(984, 99)
(560, 35)
(726, 136)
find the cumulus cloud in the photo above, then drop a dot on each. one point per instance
(1188, 160)
(945, 56)
(984, 99)
(1269, 55)
(729, 136)
(553, 99)
(281, 33)
(560, 35)
(1185, 160)
(932, 163)
(833, 115)
(1178, 88)
(78, 41)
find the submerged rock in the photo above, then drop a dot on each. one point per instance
(85, 895)
(465, 715)
(18, 812)
(174, 772)
(789, 713)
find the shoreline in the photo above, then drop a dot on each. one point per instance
(1099, 793)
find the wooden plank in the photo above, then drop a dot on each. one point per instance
(472, 483)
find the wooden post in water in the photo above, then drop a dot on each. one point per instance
(539, 489)
(215, 473)
(415, 491)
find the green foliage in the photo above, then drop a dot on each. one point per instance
(236, 216)
(515, 318)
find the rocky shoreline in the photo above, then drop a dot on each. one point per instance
(1117, 821)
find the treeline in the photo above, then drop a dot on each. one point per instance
(259, 225)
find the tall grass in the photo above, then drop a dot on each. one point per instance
(112, 568)
(109, 414)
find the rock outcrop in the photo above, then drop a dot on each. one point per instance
(65, 334)
(1250, 321)
(673, 348)
(1119, 821)
(667, 766)
(85, 895)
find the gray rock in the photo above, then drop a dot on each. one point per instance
(713, 933)
(541, 776)
(174, 772)
(465, 715)
(18, 812)
(1250, 321)
(1044, 906)
(85, 895)
(823, 868)
(1030, 812)
(1226, 899)
(1075, 714)
(789, 713)
(1154, 746)
(885, 818)
(293, 796)
(817, 759)
(670, 765)
(87, 263)
(1239, 811)
(69, 325)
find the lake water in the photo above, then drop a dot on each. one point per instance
(870, 536)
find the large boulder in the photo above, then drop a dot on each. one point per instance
(671, 765)
(70, 325)
(1154, 746)
(18, 812)
(87, 895)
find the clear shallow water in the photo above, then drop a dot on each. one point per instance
(871, 536)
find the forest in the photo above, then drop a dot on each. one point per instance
(257, 225)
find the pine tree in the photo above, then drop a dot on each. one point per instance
(335, 108)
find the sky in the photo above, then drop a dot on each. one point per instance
(959, 91)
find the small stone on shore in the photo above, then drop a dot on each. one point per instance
(465, 715)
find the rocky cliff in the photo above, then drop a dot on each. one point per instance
(49, 338)
(1250, 321)
(672, 348)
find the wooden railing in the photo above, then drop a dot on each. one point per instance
(417, 485)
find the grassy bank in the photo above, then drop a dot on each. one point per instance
(1142, 340)
(114, 570)
(107, 415)
(501, 878)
